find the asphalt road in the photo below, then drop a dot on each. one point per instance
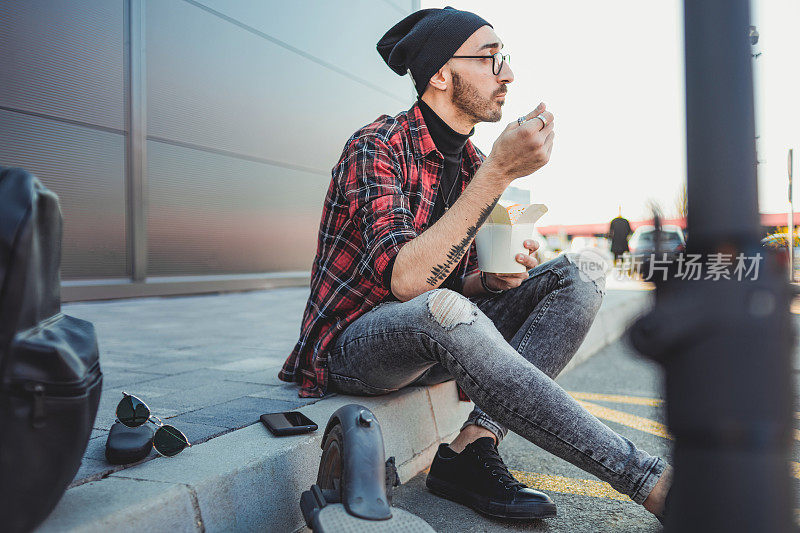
(623, 390)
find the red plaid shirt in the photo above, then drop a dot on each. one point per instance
(380, 197)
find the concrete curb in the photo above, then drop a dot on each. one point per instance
(248, 480)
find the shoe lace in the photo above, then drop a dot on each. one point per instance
(492, 461)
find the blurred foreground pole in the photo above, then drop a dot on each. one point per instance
(725, 344)
(790, 225)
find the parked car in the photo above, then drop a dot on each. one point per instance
(579, 243)
(544, 252)
(599, 245)
(778, 243)
(556, 243)
(642, 245)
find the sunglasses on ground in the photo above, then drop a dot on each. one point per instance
(167, 440)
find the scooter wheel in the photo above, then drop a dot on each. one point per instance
(329, 476)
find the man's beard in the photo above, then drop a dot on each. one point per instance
(468, 100)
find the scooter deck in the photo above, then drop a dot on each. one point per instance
(333, 518)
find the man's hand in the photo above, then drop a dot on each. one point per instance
(509, 281)
(521, 150)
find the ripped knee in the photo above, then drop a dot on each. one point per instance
(592, 267)
(449, 308)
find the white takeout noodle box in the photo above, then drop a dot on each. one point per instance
(501, 237)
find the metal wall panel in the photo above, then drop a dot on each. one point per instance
(85, 167)
(213, 84)
(403, 7)
(214, 214)
(64, 58)
(247, 103)
(342, 34)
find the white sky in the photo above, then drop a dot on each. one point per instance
(612, 74)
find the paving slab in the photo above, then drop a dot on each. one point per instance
(236, 413)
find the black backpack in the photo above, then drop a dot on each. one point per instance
(50, 377)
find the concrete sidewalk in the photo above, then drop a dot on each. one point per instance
(209, 365)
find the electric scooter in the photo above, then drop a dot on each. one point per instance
(354, 483)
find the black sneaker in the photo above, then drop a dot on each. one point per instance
(478, 478)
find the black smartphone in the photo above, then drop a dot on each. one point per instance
(289, 423)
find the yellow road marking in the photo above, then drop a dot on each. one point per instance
(600, 489)
(632, 421)
(617, 398)
(586, 487)
(567, 485)
(633, 400)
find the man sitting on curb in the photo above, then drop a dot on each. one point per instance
(397, 298)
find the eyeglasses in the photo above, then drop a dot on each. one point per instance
(167, 440)
(497, 60)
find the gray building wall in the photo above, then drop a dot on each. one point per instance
(190, 141)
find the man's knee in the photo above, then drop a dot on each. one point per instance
(460, 327)
(588, 269)
(449, 308)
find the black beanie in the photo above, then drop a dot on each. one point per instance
(425, 40)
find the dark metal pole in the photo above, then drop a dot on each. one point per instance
(725, 344)
(720, 121)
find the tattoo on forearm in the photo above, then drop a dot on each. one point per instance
(440, 272)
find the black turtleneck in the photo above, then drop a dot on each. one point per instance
(450, 144)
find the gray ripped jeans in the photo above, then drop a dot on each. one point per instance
(504, 351)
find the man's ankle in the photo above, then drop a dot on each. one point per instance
(655, 500)
(469, 435)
